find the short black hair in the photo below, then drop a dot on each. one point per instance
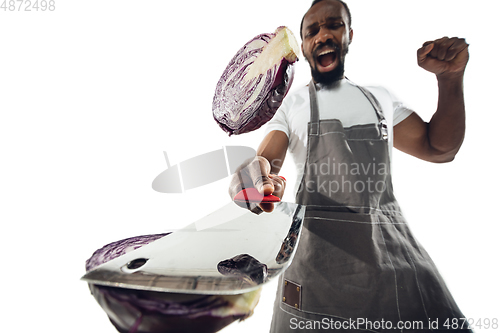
(315, 2)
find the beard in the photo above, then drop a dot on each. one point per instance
(335, 74)
(329, 77)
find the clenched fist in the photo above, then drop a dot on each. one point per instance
(445, 57)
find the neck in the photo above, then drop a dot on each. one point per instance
(333, 84)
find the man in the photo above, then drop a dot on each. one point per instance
(357, 266)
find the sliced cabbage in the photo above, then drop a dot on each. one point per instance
(139, 311)
(254, 83)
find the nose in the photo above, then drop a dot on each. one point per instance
(323, 35)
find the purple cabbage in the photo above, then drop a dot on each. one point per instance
(119, 248)
(139, 311)
(244, 266)
(254, 83)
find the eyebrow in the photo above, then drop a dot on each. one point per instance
(328, 19)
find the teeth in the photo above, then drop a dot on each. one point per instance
(326, 52)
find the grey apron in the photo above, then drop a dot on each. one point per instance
(357, 266)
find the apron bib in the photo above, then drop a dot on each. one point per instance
(357, 265)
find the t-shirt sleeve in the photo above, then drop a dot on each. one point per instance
(391, 103)
(279, 121)
(401, 111)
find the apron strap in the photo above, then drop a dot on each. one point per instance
(382, 122)
(313, 100)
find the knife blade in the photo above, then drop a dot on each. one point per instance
(230, 251)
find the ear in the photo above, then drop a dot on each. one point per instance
(302, 49)
(351, 34)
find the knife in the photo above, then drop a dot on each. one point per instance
(230, 251)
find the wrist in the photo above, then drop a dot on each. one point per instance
(456, 77)
(450, 83)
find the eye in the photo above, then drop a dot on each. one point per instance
(336, 25)
(311, 32)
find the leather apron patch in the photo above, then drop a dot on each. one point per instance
(292, 294)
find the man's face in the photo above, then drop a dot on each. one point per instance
(326, 39)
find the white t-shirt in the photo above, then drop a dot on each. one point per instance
(343, 101)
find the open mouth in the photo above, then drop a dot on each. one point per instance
(326, 60)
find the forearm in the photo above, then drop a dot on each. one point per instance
(273, 148)
(446, 129)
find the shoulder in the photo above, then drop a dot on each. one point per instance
(384, 96)
(296, 100)
(382, 93)
(297, 97)
(390, 103)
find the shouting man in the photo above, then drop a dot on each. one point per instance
(357, 266)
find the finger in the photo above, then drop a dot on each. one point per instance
(442, 47)
(241, 178)
(263, 184)
(279, 183)
(424, 51)
(239, 181)
(447, 49)
(276, 178)
(259, 170)
(458, 46)
(439, 46)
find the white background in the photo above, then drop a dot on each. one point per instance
(91, 94)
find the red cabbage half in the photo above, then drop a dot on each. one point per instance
(139, 311)
(255, 82)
